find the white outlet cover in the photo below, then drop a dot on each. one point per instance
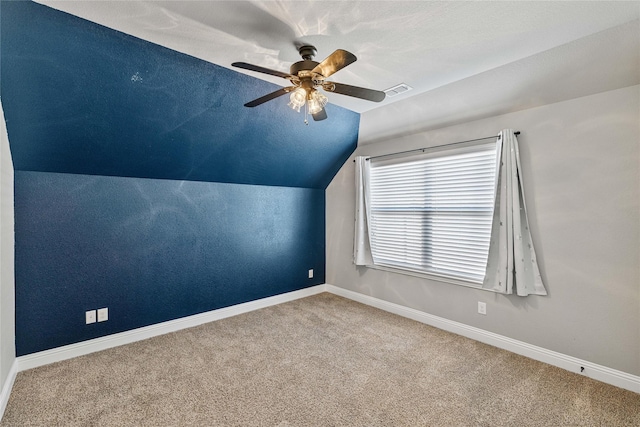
(311, 273)
(90, 316)
(103, 314)
(482, 307)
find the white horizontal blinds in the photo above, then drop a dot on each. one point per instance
(433, 213)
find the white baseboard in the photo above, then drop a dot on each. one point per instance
(7, 386)
(570, 363)
(79, 349)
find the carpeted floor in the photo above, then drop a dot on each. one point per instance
(318, 361)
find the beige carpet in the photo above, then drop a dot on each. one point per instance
(319, 361)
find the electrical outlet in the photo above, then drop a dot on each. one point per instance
(311, 273)
(90, 316)
(103, 314)
(482, 307)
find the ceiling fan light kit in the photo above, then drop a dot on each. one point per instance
(308, 77)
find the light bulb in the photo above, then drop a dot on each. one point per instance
(297, 99)
(316, 102)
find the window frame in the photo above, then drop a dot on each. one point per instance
(435, 153)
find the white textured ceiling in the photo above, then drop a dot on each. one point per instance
(428, 45)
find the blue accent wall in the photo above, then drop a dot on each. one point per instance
(144, 185)
(153, 250)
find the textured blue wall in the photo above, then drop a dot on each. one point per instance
(143, 184)
(153, 250)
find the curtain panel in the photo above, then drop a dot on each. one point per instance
(361, 245)
(512, 258)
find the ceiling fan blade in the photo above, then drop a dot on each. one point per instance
(355, 91)
(320, 115)
(334, 62)
(269, 97)
(259, 69)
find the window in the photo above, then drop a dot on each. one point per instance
(432, 213)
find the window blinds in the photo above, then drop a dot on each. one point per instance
(433, 213)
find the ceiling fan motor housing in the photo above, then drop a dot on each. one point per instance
(302, 69)
(306, 65)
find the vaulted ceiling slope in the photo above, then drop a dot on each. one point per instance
(604, 61)
(85, 99)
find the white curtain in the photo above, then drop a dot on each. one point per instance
(512, 259)
(361, 245)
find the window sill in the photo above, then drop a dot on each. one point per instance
(422, 275)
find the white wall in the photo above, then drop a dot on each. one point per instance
(7, 296)
(581, 161)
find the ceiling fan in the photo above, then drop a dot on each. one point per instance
(307, 77)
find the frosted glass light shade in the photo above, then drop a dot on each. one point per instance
(297, 99)
(316, 102)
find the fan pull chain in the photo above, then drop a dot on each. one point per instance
(306, 111)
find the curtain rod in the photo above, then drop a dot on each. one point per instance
(435, 146)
